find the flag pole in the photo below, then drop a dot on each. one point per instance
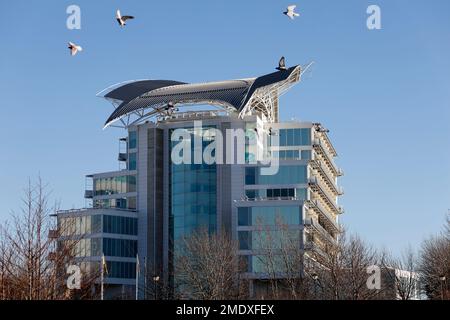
(137, 277)
(102, 277)
(145, 278)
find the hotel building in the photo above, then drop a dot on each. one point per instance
(142, 209)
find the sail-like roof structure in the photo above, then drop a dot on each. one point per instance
(147, 98)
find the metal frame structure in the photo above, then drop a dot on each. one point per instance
(138, 101)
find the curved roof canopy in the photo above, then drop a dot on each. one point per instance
(146, 98)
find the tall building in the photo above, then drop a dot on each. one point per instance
(144, 208)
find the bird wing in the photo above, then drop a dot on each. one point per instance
(118, 16)
(124, 18)
(291, 7)
(71, 44)
(282, 63)
(79, 48)
(73, 50)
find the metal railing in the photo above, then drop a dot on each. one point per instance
(315, 205)
(245, 198)
(317, 144)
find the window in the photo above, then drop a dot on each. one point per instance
(285, 175)
(132, 162)
(119, 248)
(243, 216)
(119, 225)
(125, 270)
(114, 185)
(131, 184)
(244, 240)
(250, 176)
(295, 137)
(269, 216)
(306, 155)
(132, 140)
(302, 194)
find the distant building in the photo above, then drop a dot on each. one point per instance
(400, 285)
(144, 208)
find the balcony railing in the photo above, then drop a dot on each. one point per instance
(314, 225)
(327, 217)
(317, 145)
(269, 199)
(317, 165)
(316, 187)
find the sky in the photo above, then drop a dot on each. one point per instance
(384, 94)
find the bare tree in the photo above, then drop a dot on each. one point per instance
(281, 258)
(207, 267)
(401, 274)
(32, 261)
(357, 256)
(339, 269)
(327, 270)
(435, 267)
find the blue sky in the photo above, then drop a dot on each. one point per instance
(385, 94)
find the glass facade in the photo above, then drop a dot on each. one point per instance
(114, 185)
(292, 154)
(296, 174)
(265, 240)
(264, 264)
(269, 216)
(132, 140)
(80, 225)
(132, 161)
(119, 225)
(274, 194)
(192, 194)
(120, 203)
(124, 270)
(87, 247)
(119, 248)
(294, 137)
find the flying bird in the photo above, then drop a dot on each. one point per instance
(290, 11)
(281, 64)
(121, 19)
(74, 48)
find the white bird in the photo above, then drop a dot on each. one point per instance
(74, 48)
(290, 12)
(121, 19)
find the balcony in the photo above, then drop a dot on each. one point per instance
(327, 217)
(312, 247)
(319, 148)
(123, 157)
(89, 194)
(317, 188)
(314, 225)
(317, 165)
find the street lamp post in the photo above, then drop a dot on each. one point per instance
(315, 278)
(155, 282)
(442, 280)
